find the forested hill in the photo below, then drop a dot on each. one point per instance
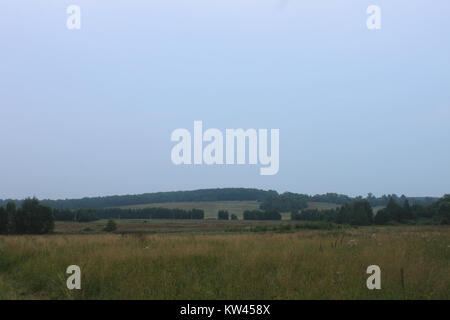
(269, 199)
(225, 194)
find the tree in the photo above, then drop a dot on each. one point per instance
(406, 211)
(234, 217)
(223, 215)
(261, 215)
(382, 217)
(34, 218)
(394, 210)
(343, 213)
(31, 218)
(357, 213)
(294, 214)
(3, 221)
(272, 215)
(11, 207)
(11, 212)
(362, 214)
(110, 226)
(285, 202)
(444, 212)
(84, 215)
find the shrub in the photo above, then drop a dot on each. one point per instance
(110, 226)
(259, 228)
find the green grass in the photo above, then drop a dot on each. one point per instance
(163, 225)
(296, 264)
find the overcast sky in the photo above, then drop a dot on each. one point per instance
(90, 112)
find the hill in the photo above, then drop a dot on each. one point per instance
(268, 199)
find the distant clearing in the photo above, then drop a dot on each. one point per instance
(210, 207)
(234, 207)
(377, 208)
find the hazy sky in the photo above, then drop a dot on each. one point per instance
(90, 112)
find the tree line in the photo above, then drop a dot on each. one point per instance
(285, 202)
(288, 201)
(224, 194)
(85, 215)
(270, 199)
(261, 215)
(31, 218)
(437, 212)
(360, 212)
(34, 217)
(225, 215)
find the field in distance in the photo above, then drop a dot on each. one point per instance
(168, 225)
(210, 207)
(234, 207)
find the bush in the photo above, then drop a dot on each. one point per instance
(317, 225)
(3, 221)
(285, 227)
(259, 228)
(110, 226)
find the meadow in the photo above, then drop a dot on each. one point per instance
(162, 226)
(210, 207)
(233, 207)
(213, 264)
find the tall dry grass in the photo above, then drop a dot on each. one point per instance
(297, 265)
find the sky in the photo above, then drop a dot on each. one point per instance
(90, 112)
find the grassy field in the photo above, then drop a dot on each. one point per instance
(162, 225)
(210, 207)
(234, 207)
(300, 264)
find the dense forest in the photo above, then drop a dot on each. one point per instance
(261, 215)
(360, 212)
(225, 194)
(270, 200)
(36, 218)
(85, 215)
(32, 218)
(288, 201)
